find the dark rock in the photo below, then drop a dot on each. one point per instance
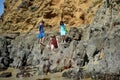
(6, 61)
(4, 54)
(74, 34)
(2, 67)
(3, 46)
(68, 39)
(6, 74)
(67, 74)
(33, 8)
(44, 79)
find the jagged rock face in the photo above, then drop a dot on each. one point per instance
(96, 46)
(100, 43)
(104, 34)
(24, 15)
(4, 53)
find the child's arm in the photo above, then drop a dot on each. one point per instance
(57, 42)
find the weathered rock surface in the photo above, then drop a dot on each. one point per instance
(93, 49)
(24, 15)
(4, 54)
(100, 43)
(6, 74)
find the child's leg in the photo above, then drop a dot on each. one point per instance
(63, 38)
(40, 40)
(52, 46)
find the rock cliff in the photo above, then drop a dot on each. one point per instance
(90, 50)
(24, 15)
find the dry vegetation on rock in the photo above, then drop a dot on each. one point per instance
(24, 15)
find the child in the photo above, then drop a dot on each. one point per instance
(62, 30)
(53, 43)
(41, 34)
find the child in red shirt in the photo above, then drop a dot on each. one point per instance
(53, 43)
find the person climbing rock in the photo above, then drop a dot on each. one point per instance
(41, 34)
(62, 30)
(53, 43)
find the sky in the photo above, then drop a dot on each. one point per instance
(1, 7)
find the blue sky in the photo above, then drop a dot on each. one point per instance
(1, 7)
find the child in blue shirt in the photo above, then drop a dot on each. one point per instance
(41, 34)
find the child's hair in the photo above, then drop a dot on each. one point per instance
(42, 21)
(61, 22)
(53, 36)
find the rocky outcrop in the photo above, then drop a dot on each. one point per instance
(100, 44)
(104, 39)
(26, 50)
(6, 75)
(91, 50)
(4, 54)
